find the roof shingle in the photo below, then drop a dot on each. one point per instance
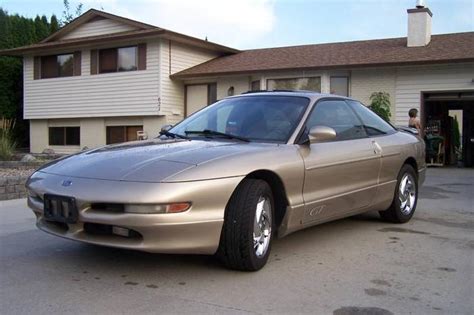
(458, 47)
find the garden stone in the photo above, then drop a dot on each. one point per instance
(28, 158)
(48, 151)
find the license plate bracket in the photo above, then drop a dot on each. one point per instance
(60, 208)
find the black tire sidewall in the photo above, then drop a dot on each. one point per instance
(265, 191)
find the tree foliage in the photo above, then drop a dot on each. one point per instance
(15, 31)
(69, 14)
(380, 104)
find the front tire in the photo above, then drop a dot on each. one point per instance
(248, 226)
(405, 198)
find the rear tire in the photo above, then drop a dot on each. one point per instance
(405, 198)
(248, 227)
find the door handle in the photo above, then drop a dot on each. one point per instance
(377, 147)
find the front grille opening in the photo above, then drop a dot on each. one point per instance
(105, 229)
(60, 225)
(108, 207)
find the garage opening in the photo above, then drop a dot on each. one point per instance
(448, 120)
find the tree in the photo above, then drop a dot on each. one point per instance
(380, 104)
(15, 31)
(53, 24)
(68, 15)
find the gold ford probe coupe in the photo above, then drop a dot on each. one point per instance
(231, 177)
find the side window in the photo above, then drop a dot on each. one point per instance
(374, 125)
(337, 115)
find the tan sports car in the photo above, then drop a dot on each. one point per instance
(230, 178)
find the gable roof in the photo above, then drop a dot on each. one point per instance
(88, 16)
(458, 47)
(143, 30)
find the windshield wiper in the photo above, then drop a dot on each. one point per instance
(208, 132)
(172, 135)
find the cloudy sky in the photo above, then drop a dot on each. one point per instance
(247, 24)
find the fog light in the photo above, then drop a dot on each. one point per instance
(117, 230)
(158, 208)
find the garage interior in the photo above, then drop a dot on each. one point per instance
(442, 113)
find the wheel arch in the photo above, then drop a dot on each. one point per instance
(278, 190)
(412, 162)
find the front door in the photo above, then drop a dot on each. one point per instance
(341, 175)
(199, 96)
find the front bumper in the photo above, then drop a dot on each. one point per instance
(196, 231)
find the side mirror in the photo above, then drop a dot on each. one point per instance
(321, 134)
(165, 128)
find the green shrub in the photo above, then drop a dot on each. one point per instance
(380, 104)
(7, 142)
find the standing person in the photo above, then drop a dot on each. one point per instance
(414, 122)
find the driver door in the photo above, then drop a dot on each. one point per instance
(340, 175)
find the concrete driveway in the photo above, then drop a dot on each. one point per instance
(354, 266)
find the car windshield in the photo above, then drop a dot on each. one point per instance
(248, 118)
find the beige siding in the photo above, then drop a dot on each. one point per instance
(100, 27)
(364, 82)
(240, 84)
(412, 81)
(93, 133)
(134, 93)
(38, 135)
(172, 91)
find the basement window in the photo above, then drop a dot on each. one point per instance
(118, 134)
(118, 59)
(64, 135)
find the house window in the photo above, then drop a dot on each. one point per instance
(64, 135)
(339, 86)
(118, 134)
(118, 59)
(310, 84)
(255, 85)
(57, 66)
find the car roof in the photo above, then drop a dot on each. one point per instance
(301, 93)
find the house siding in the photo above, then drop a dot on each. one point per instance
(134, 93)
(172, 91)
(364, 82)
(412, 81)
(99, 27)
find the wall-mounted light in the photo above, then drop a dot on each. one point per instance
(230, 91)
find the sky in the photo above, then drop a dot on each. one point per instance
(247, 24)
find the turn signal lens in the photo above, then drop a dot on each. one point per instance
(158, 208)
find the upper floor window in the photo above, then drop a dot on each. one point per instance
(339, 86)
(309, 84)
(57, 66)
(118, 59)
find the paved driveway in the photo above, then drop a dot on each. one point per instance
(357, 264)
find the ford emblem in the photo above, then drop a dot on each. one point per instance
(66, 183)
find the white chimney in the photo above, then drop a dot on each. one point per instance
(419, 25)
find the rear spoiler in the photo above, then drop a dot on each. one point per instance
(413, 131)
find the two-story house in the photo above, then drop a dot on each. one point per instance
(103, 78)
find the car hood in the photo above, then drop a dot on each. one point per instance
(145, 161)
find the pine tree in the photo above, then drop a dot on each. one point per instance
(53, 24)
(18, 31)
